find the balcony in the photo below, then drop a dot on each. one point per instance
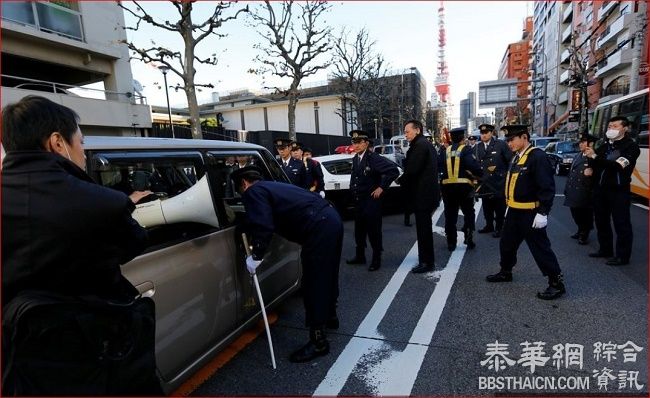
(616, 61)
(563, 98)
(564, 77)
(566, 35)
(614, 29)
(565, 56)
(568, 13)
(46, 17)
(605, 9)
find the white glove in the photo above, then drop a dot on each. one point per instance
(540, 221)
(251, 264)
(322, 194)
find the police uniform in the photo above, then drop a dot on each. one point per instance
(458, 167)
(304, 218)
(494, 157)
(369, 172)
(529, 191)
(613, 167)
(293, 168)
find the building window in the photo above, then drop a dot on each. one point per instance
(620, 85)
(61, 18)
(625, 9)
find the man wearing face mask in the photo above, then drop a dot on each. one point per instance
(613, 163)
(64, 238)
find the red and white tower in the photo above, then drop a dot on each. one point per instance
(441, 83)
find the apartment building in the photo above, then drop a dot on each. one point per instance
(53, 49)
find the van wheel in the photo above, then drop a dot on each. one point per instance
(558, 169)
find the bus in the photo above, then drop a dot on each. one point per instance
(635, 108)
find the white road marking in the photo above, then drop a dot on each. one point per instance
(377, 359)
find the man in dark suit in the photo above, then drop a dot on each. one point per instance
(458, 169)
(371, 175)
(293, 168)
(420, 182)
(494, 157)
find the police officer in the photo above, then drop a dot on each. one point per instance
(614, 162)
(294, 169)
(314, 173)
(578, 191)
(458, 168)
(307, 219)
(494, 157)
(530, 189)
(372, 174)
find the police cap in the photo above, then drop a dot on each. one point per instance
(515, 130)
(307, 149)
(457, 134)
(472, 138)
(484, 128)
(249, 172)
(359, 135)
(281, 142)
(588, 138)
(296, 146)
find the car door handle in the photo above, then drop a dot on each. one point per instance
(146, 289)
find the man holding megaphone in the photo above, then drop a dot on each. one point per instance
(274, 207)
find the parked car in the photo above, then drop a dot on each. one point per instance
(194, 267)
(542, 142)
(391, 152)
(561, 154)
(337, 170)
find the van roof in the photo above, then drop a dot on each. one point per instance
(100, 142)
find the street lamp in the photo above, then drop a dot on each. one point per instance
(164, 69)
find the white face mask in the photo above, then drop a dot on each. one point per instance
(611, 134)
(66, 150)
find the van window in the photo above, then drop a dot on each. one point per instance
(180, 207)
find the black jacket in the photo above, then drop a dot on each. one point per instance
(614, 163)
(62, 232)
(420, 178)
(372, 172)
(494, 161)
(536, 182)
(578, 190)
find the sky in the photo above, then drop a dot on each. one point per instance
(406, 33)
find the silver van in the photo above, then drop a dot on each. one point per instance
(194, 266)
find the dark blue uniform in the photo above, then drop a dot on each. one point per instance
(295, 170)
(371, 172)
(315, 180)
(494, 159)
(529, 190)
(457, 189)
(305, 218)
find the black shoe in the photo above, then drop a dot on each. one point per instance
(317, 347)
(496, 233)
(451, 247)
(333, 323)
(600, 254)
(486, 229)
(356, 260)
(469, 239)
(422, 268)
(575, 236)
(374, 266)
(554, 290)
(501, 276)
(583, 239)
(617, 261)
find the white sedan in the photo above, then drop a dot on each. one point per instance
(336, 175)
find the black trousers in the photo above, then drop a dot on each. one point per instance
(424, 231)
(321, 255)
(518, 227)
(456, 196)
(584, 218)
(367, 222)
(494, 209)
(613, 206)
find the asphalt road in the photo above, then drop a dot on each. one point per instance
(442, 333)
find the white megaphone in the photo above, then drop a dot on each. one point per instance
(193, 205)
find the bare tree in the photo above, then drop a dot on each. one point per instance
(181, 63)
(291, 45)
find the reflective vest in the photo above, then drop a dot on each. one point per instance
(511, 182)
(454, 170)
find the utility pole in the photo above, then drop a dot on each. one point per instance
(638, 45)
